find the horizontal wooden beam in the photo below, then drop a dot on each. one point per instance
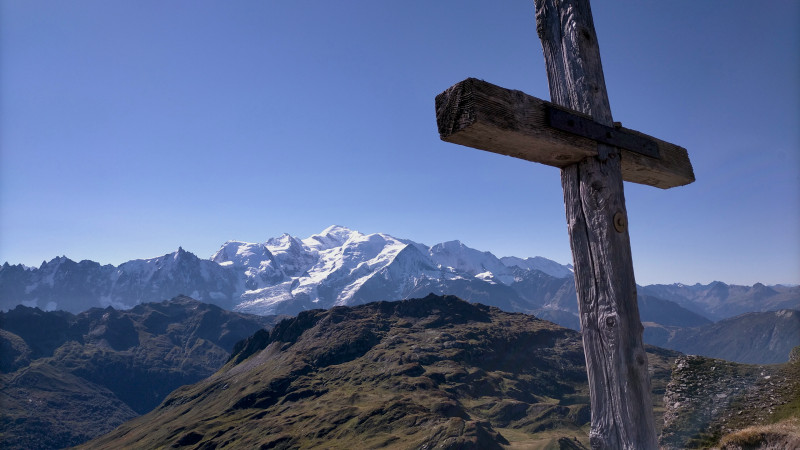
(481, 115)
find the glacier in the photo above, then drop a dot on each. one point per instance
(283, 275)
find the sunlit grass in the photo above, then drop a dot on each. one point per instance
(784, 434)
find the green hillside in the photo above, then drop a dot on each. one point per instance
(436, 372)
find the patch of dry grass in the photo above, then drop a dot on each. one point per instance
(781, 435)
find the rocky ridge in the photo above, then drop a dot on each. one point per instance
(718, 300)
(752, 338)
(707, 399)
(339, 266)
(67, 378)
(435, 372)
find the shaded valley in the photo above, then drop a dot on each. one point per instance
(68, 378)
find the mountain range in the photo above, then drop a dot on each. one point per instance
(339, 266)
(472, 374)
(438, 372)
(67, 378)
(434, 372)
(718, 300)
(753, 338)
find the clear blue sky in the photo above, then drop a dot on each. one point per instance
(130, 128)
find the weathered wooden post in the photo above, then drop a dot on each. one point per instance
(576, 132)
(619, 384)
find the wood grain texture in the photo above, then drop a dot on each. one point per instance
(481, 115)
(622, 414)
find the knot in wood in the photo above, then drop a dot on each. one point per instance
(586, 34)
(611, 321)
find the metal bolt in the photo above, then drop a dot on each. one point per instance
(620, 222)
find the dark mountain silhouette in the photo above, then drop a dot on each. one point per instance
(752, 338)
(718, 300)
(68, 378)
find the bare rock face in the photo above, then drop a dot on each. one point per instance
(794, 355)
(708, 399)
(701, 390)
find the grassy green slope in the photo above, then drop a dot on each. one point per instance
(44, 407)
(423, 373)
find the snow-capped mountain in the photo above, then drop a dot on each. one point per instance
(545, 265)
(76, 286)
(338, 266)
(483, 265)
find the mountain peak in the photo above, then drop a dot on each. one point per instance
(240, 254)
(454, 244)
(333, 229)
(761, 289)
(471, 261)
(282, 243)
(333, 236)
(180, 254)
(55, 262)
(227, 252)
(545, 265)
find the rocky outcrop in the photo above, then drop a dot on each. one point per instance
(707, 399)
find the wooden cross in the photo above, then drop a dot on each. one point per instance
(577, 134)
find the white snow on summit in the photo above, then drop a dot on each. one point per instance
(458, 256)
(292, 255)
(340, 266)
(545, 265)
(333, 236)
